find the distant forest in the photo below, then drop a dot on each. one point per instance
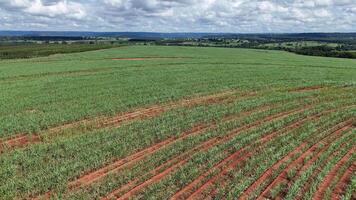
(19, 44)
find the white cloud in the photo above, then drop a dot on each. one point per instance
(63, 9)
(180, 15)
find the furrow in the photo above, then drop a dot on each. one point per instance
(343, 182)
(283, 176)
(319, 194)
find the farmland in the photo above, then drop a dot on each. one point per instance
(156, 122)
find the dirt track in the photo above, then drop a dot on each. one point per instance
(149, 58)
(23, 140)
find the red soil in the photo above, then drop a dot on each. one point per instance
(18, 141)
(343, 182)
(119, 164)
(233, 157)
(319, 195)
(96, 175)
(223, 175)
(154, 179)
(91, 177)
(174, 163)
(269, 172)
(185, 156)
(206, 145)
(305, 167)
(306, 186)
(22, 140)
(296, 164)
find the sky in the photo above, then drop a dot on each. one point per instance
(228, 16)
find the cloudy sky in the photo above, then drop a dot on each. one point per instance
(244, 16)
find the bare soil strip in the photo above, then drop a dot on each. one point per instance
(345, 180)
(307, 89)
(206, 145)
(298, 163)
(319, 195)
(18, 141)
(22, 140)
(149, 58)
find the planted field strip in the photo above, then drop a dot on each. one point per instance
(283, 177)
(89, 178)
(150, 58)
(65, 73)
(206, 145)
(239, 160)
(222, 176)
(341, 185)
(229, 136)
(96, 175)
(222, 139)
(174, 162)
(22, 140)
(299, 150)
(310, 171)
(139, 187)
(307, 89)
(309, 164)
(203, 146)
(136, 157)
(177, 122)
(127, 162)
(332, 174)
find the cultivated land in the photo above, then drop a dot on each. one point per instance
(178, 123)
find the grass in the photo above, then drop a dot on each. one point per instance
(40, 93)
(40, 50)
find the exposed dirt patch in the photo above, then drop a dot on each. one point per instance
(149, 58)
(18, 141)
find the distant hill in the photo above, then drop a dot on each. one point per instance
(73, 35)
(133, 35)
(291, 36)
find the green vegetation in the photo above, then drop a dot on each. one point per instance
(216, 120)
(37, 50)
